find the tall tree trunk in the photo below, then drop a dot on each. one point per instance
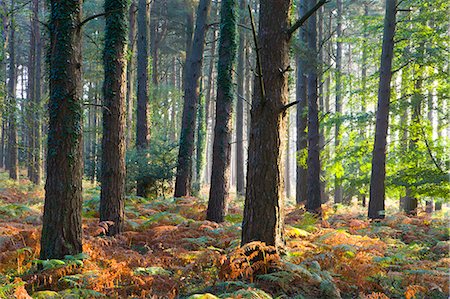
(201, 139)
(302, 116)
(208, 107)
(130, 72)
(364, 84)
(337, 131)
(29, 110)
(264, 201)
(240, 181)
(13, 159)
(287, 172)
(322, 111)
(313, 203)
(61, 231)
(112, 193)
(3, 67)
(37, 175)
(193, 71)
(220, 177)
(378, 175)
(142, 130)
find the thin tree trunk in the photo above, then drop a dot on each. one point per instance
(287, 172)
(61, 231)
(362, 134)
(130, 72)
(378, 175)
(112, 195)
(302, 116)
(337, 132)
(37, 178)
(208, 108)
(313, 203)
(29, 110)
(193, 71)
(13, 161)
(220, 176)
(142, 129)
(240, 181)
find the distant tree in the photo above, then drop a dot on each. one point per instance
(193, 69)
(112, 193)
(142, 131)
(337, 132)
(313, 202)
(240, 180)
(13, 158)
(377, 179)
(220, 177)
(302, 116)
(61, 228)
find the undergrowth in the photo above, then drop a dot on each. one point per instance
(168, 250)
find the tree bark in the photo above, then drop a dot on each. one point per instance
(313, 203)
(302, 116)
(264, 202)
(220, 177)
(193, 71)
(61, 231)
(142, 130)
(112, 195)
(378, 175)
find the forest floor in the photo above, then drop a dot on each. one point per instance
(168, 250)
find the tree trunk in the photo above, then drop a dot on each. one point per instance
(378, 175)
(61, 231)
(142, 130)
(287, 172)
(13, 160)
(337, 132)
(302, 116)
(240, 181)
(208, 107)
(37, 174)
(362, 195)
(130, 73)
(264, 202)
(313, 203)
(193, 71)
(29, 110)
(220, 177)
(112, 194)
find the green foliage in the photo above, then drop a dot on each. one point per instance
(156, 165)
(151, 271)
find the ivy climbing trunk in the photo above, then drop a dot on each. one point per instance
(61, 230)
(220, 176)
(378, 175)
(193, 69)
(112, 193)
